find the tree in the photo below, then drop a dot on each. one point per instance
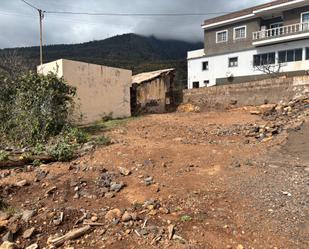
(12, 64)
(273, 70)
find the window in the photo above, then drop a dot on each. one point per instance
(233, 62)
(205, 65)
(276, 25)
(240, 32)
(291, 55)
(307, 53)
(196, 84)
(221, 36)
(264, 59)
(276, 28)
(304, 19)
(206, 82)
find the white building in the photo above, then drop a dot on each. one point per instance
(242, 46)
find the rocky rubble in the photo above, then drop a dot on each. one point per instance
(279, 117)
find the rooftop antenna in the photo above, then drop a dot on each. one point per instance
(41, 15)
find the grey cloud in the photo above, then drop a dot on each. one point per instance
(19, 23)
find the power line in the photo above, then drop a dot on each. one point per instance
(30, 4)
(133, 14)
(41, 16)
(123, 14)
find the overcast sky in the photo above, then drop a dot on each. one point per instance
(19, 23)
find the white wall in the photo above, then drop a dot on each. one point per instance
(218, 65)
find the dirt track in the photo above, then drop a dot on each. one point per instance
(221, 188)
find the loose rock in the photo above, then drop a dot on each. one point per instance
(113, 214)
(28, 233)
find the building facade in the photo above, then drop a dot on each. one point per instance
(252, 43)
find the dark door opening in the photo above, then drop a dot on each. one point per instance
(133, 100)
(196, 84)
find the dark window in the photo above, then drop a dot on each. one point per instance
(264, 59)
(196, 84)
(206, 82)
(298, 54)
(233, 62)
(205, 65)
(282, 56)
(291, 55)
(271, 58)
(257, 60)
(307, 53)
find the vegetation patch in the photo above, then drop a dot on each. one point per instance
(185, 218)
(36, 115)
(3, 155)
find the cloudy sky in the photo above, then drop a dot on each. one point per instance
(19, 23)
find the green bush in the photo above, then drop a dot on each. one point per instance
(76, 135)
(4, 155)
(102, 140)
(62, 151)
(34, 108)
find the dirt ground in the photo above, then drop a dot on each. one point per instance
(218, 187)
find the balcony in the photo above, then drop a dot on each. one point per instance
(281, 34)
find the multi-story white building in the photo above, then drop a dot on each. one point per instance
(243, 45)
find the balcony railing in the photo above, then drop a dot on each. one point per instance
(281, 31)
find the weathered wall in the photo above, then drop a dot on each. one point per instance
(101, 91)
(151, 96)
(252, 93)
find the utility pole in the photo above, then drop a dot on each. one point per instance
(41, 15)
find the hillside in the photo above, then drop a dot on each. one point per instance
(130, 51)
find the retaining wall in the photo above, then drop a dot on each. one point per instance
(251, 93)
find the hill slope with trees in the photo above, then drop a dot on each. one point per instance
(130, 51)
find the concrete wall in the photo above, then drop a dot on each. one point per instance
(293, 16)
(213, 48)
(251, 93)
(101, 91)
(218, 64)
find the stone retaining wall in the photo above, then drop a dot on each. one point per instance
(251, 93)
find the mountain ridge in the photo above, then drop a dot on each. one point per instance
(129, 51)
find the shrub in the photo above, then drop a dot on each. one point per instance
(76, 135)
(4, 155)
(38, 149)
(35, 108)
(102, 140)
(62, 151)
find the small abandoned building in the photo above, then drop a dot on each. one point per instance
(152, 92)
(101, 91)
